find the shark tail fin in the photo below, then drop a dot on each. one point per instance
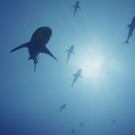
(21, 46)
(126, 42)
(35, 67)
(45, 50)
(35, 63)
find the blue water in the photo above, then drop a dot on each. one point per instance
(30, 101)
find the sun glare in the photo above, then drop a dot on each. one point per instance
(91, 64)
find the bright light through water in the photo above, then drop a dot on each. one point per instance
(91, 63)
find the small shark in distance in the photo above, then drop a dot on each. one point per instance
(131, 29)
(113, 122)
(76, 7)
(69, 52)
(81, 124)
(73, 131)
(37, 44)
(62, 107)
(78, 74)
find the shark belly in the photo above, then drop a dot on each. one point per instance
(36, 46)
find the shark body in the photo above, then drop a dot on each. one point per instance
(81, 124)
(76, 76)
(76, 6)
(131, 29)
(37, 44)
(70, 51)
(73, 131)
(62, 107)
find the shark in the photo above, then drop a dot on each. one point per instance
(113, 122)
(37, 44)
(73, 131)
(70, 51)
(81, 124)
(62, 107)
(76, 6)
(76, 76)
(131, 29)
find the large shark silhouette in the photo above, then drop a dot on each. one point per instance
(37, 44)
(76, 7)
(69, 52)
(62, 107)
(131, 29)
(78, 74)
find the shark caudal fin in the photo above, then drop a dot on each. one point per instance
(126, 42)
(45, 50)
(35, 63)
(21, 46)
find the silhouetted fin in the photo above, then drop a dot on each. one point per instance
(45, 50)
(73, 74)
(21, 46)
(79, 7)
(126, 42)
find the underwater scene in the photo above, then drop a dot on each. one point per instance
(67, 67)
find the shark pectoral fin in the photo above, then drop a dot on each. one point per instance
(79, 7)
(73, 74)
(21, 46)
(45, 50)
(73, 6)
(66, 50)
(81, 76)
(73, 52)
